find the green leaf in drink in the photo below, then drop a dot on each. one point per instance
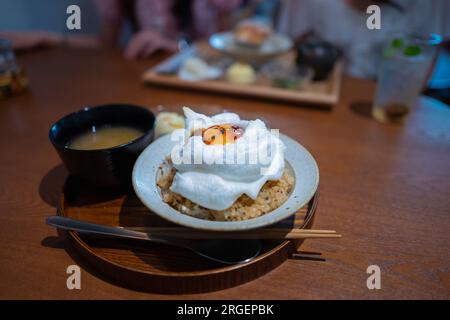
(394, 47)
(412, 51)
(397, 43)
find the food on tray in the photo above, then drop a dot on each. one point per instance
(251, 33)
(166, 122)
(104, 137)
(225, 169)
(286, 75)
(195, 69)
(241, 73)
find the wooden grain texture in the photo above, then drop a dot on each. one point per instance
(385, 188)
(161, 268)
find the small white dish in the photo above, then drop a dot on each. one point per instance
(211, 74)
(195, 69)
(300, 162)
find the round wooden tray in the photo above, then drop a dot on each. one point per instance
(154, 267)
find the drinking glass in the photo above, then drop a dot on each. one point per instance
(404, 67)
(12, 78)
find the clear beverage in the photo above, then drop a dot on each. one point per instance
(403, 70)
(12, 78)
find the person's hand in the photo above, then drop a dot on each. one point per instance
(146, 42)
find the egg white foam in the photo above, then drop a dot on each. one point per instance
(214, 176)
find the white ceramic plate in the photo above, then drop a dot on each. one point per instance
(146, 169)
(275, 45)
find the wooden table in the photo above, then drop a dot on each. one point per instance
(386, 188)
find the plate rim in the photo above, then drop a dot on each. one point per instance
(250, 53)
(224, 226)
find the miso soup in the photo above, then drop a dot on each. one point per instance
(104, 137)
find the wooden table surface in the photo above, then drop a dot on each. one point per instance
(385, 188)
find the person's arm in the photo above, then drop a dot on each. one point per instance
(225, 9)
(142, 44)
(27, 40)
(296, 18)
(111, 24)
(111, 20)
(146, 42)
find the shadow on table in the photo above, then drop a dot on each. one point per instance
(51, 185)
(308, 255)
(154, 256)
(50, 189)
(62, 242)
(362, 108)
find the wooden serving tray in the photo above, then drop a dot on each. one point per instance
(324, 93)
(155, 267)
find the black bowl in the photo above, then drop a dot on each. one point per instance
(109, 167)
(318, 54)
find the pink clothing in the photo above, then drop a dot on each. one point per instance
(156, 14)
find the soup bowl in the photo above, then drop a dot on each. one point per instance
(107, 167)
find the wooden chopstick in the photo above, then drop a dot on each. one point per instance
(281, 234)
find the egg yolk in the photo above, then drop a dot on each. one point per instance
(222, 134)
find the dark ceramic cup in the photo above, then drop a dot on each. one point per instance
(318, 54)
(111, 167)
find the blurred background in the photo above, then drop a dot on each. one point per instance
(33, 24)
(46, 15)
